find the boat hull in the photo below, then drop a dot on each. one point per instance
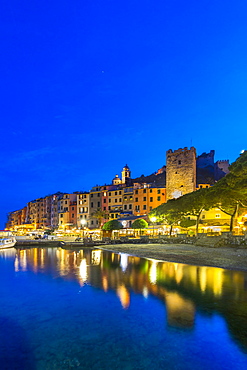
(7, 243)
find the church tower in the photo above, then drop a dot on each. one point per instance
(116, 180)
(180, 172)
(125, 174)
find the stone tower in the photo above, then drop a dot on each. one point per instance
(180, 172)
(125, 174)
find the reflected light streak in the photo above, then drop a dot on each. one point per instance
(203, 278)
(16, 264)
(23, 260)
(153, 272)
(124, 261)
(83, 270)
(145, 292)
(105, 283)
(96, 257)
(124, 296)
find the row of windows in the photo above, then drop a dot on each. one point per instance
(137, 208)
(82, 201)
(110, 193)
(92, 204)
(145, 190)
(83, 209)
(117, 200)
(150, 199)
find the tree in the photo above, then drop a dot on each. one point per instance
(229, 194)
(139, 224)
(187, 223)
(194, 203)
(100, 215)
(112, 225)
(175, 210)
(169, 213)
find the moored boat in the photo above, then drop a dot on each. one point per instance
(7, 240)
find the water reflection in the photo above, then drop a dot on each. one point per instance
(183, 289)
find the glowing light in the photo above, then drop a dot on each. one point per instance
(153, 219)
(83, 222)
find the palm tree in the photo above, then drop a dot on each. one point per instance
(100, 215)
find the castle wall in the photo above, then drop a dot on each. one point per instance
(180, 172)
(221, 168)
(205, 159)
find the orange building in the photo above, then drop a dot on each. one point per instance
(146, 198)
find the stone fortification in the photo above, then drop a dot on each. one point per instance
(221, 168)
(205, 159)
(180, 172)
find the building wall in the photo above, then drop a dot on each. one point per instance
(115, 202)
(180, 172)
(65, 201)
(94, 204)
(128, 199)
(82, 208)
(147, 198)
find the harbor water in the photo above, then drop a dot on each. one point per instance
(94, 309)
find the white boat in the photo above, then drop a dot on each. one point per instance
(7, 240)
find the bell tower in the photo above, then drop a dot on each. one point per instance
(125, 174)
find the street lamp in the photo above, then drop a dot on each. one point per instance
(153, 219)
(83, 223)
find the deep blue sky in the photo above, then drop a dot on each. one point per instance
(90, 85)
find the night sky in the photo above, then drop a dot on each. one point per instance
(90, 85)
